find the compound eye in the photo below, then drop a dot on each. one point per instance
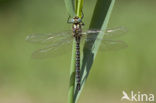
(79, 20)
(72, 20)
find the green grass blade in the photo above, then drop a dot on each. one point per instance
(79, 6)
(70, 6)
(73, 8)
(99, 20)
(72, 75)
(77, 11)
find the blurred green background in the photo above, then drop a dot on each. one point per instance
(27, 80)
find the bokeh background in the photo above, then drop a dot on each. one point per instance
(27, 80)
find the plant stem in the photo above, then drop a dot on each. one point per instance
(79, 6)
(99, 21)
(70, 6)
(78, 9)
(72, 76)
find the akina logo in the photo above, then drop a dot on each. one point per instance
(137, 97)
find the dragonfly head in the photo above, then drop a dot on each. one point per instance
(76, 20)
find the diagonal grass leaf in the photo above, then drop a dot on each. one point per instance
(70, 6)
(99, 21)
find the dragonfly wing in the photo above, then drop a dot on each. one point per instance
(115, 32)
(52, 50)
(49, 38)
(92, 34)
(113, 45)
(107, 45)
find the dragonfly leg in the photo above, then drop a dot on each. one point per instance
(68, 20)
(82, 14)
(82, 23)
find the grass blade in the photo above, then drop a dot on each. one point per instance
(78, 11)
(99, 20)
(73, 8)
(70, 6)
(79, 6)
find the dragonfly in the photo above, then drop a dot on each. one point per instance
(59, 40)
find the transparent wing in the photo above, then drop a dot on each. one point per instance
(49, 38)
(54, 43)
(107, 45)
(52, 50)
(113, 45)
(109, 34)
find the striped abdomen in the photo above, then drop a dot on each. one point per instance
(77, 64)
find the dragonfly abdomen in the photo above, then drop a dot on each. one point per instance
(78, 78)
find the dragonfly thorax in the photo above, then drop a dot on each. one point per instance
(76, 26)
(76, 30)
